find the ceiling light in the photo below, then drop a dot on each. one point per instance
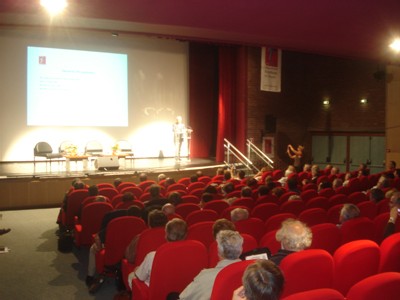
(363, 101)
(395, 45)
(54, 7)
(326, 102)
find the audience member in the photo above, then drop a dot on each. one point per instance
(168, 209)
(206, 197)
(117, 182)
(349, 211)
(230, 245)
(99, 239)
(222, 224)
(376, 195)
(161, 177)
(239, 214)
(156, 218)
(294, 236)
(175, 230)
(296, 155)
(142, 177)
(246, 192)
(394, 205)
(315, 173)
(156, 200)
(337, 183)
(175, 198)
(262, 280)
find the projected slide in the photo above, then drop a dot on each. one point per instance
(76, 88)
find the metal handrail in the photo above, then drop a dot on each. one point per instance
(251, 147)
(232, 150)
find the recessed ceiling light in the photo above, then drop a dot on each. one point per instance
(395, 45)
(54, 7)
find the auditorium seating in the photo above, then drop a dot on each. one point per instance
(326, 236)
(217, 205)
(264, 211)
(390, 252)
(313, 216)
(201, 216)
(316, 294)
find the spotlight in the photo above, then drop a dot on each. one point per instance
(363, 101)
(54, 7)
(395, 45)
(326, 102)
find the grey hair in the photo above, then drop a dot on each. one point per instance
(349, 211)
(230, 244)
(294, 235)
(238, 214)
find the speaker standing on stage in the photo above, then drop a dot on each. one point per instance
(179, 134)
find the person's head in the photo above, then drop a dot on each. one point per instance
(392, 165)
(175, 230)
(134, 211)
(154, 191)
(300, 148)
(175, 198)
(128, 196)
(294, 235)
(161, 177)
(246, 191)
(394, 200)
(222, 224)
(315, 170)
(263, 280)
(93, 190)
(78, 184)
(252, 182)
(168, 209)
(220, 171)
(206, 197)
(156, 218)
(294, 197)
(349, 211)
(227, 175)
(228, 188)
(169, 181)
(278, 191)
(337, 182)
(100, 198)
(230, 244)
(239, 214)
(142, 177)
(292, 183)
(211, 188)
(117, 182)
(325, 185)
(242, 174)
(290, 170)
(194, 178)
(376, 195)
(307, 168)
(263, 190)
(334, 171)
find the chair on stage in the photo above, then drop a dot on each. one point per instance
(43, 149)
(93, 148)
(125, 150)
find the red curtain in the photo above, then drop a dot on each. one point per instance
(232, 108)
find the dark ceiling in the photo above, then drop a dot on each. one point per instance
(345, 28)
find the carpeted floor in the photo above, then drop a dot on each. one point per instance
(34, 268)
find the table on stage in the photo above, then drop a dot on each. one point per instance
(76, 158)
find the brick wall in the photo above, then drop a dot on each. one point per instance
(298, 109)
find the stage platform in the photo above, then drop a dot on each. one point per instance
(24, 186)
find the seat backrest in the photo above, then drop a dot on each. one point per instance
(91, 218)
(229, 279)
(354, 261)
(285, 197)
(105, 185)
(327, 192)
(337, 199)
(176, 260)
(333, 213)
(176, 187)
(269, 241)
(201, 216)
(275, 222)
(326, 236)
(294, 206)
(316, 294)
(109, 192)
(308, 194)
(264, 211)
(185, 181)
(149, 240)
(125, 184)
(145, 184)
(307, 270)
(204, 179)
(135, 190)
(313, 216)
(379, 286)
(367, 209)
(74, 201)
(357, 229)
(320, 201)
(120, 232)
(217, 205)
(248, 202)
(357, 197)
(380, 222)
(127, 204)
(390, 250)
(42, 149)
(251, 226)
(267, 199)
(184, 209)
(383, 206)
(190, 199)
(201, 231)
(93, 148)
(196, 185)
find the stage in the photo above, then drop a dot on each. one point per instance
(23, 185)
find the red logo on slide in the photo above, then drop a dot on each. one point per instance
(42, 60)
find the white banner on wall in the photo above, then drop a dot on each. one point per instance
(271, 62)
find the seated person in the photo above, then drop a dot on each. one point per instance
(239, 214)
(394, 205)
(261, 280)
(294, 236)
(376, 195)
(222, 224)
(99, 240)
(229, 249)
(349, 211)
(156, 218)
(175, 230)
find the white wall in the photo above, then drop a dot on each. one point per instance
(157, 91)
